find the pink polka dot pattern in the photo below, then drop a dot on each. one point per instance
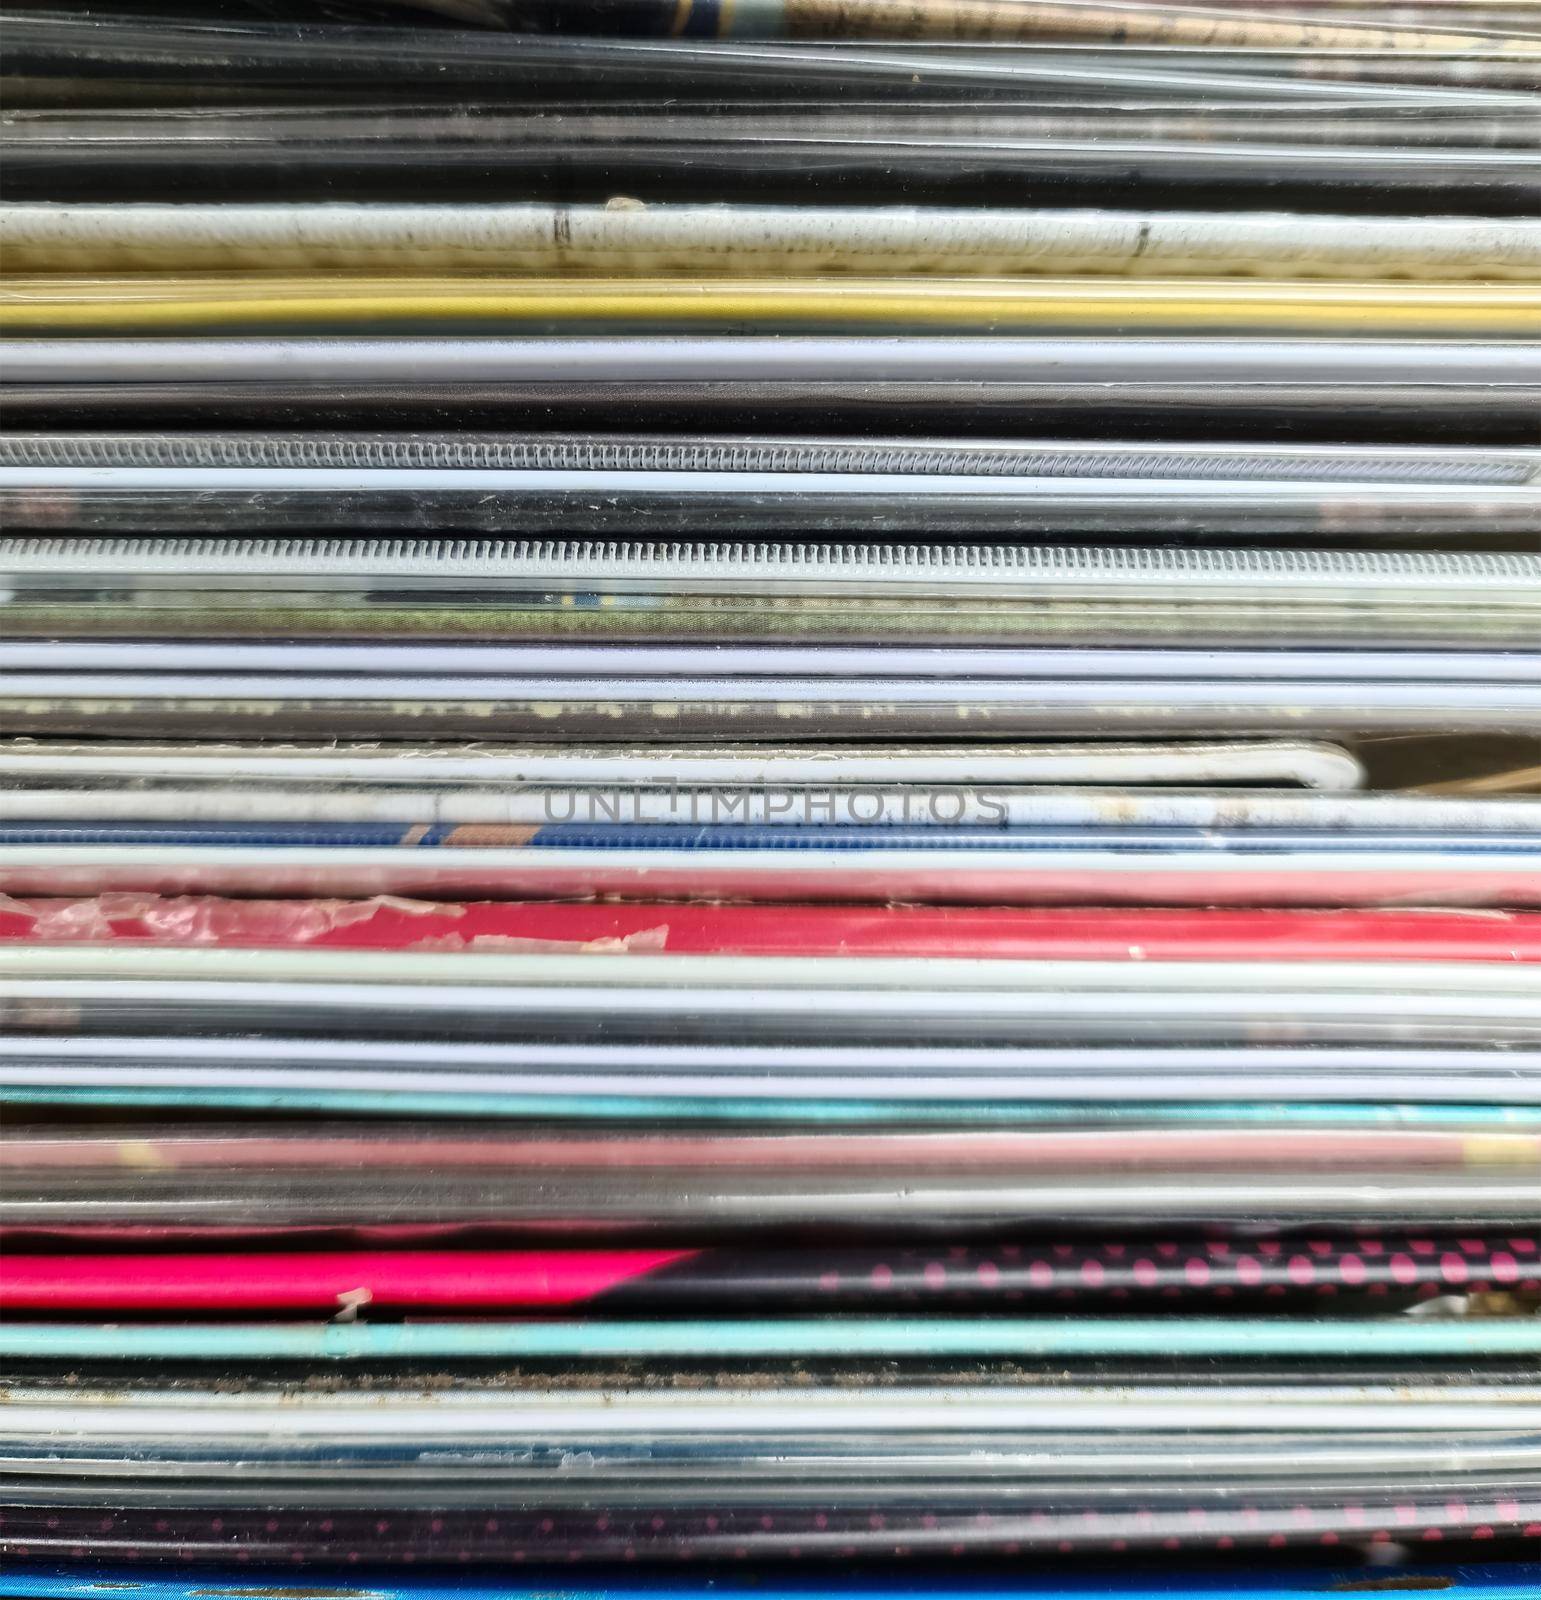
(1289, 1272)
(621, 1533)
(1192, 1268)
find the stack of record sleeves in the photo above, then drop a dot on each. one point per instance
(770, 796)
